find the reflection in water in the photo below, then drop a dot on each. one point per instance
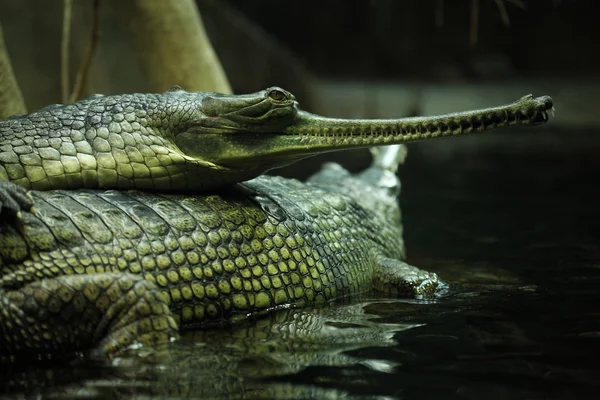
(236, 362)
(520, 321)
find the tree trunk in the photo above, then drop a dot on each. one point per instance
(171, 44)
(11, 99)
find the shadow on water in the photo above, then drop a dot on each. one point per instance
(513, 235)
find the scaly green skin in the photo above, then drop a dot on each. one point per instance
(203, 141)
(123, 141)
(106, 269)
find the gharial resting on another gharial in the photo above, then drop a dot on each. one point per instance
(103, 269)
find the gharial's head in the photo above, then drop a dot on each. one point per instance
(266, 129)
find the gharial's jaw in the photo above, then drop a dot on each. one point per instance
(269, 145)
(525, 111)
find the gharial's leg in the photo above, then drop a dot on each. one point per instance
(13, 199)
(106, 312)
(400, 279)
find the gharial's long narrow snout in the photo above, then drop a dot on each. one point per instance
(302, 134)
(528, 110)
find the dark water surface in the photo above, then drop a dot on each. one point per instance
(514, 236)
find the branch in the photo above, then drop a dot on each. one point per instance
(64, 49)
(11, 99)
(503, 12)
(82, 74)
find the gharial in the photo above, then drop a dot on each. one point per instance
(102, 269)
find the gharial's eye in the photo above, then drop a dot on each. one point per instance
(277, 95)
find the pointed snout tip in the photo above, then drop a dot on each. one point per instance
(545, 102)
(541, 103)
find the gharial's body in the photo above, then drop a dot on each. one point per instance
(113, 142)
(107, 268)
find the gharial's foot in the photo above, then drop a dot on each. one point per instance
(104, 313)
(13, 200)
(400, 279)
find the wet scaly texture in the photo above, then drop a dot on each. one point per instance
(121, 141)
(76, 312)
(202, 260)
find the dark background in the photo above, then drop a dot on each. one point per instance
(397, 40)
